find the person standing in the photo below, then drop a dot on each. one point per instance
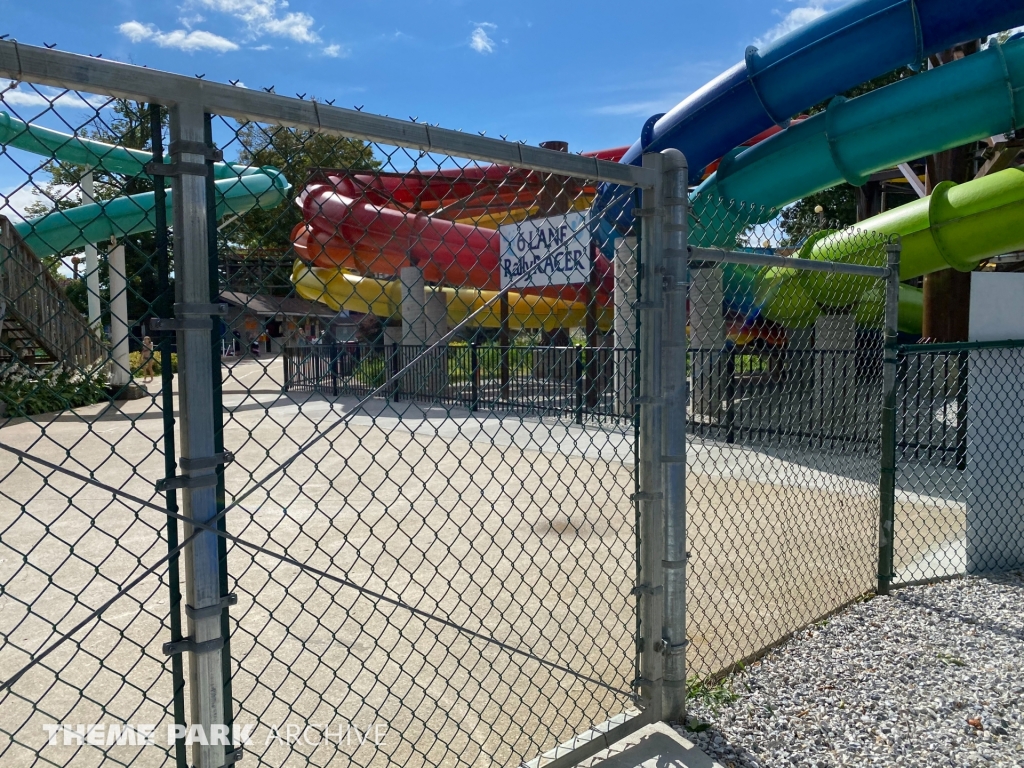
(148, 359)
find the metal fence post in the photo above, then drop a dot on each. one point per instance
(392, 365)
(474, 374)
(578, 384)
(335, 357)
(649, 495)
(887, 481)
(675, 278)
(204, 601)
(730, 392)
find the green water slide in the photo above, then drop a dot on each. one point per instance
(958, 226)
(239, 189)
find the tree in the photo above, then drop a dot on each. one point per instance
(296, 153)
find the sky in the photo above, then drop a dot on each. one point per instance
(532, 71)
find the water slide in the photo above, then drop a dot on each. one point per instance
(241, 188)
(838, 51)
(968, 100)
(847, 142)
(446, 223)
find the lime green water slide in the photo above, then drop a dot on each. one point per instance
(958, 226)
(239, 189)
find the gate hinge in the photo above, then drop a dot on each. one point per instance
(176, 169)
(189, 645)
(665, 648)
(643, 496)
(189, 317)
(640, 212)
(673, 565)
(180, 324)
(232, 757)
(211, 610)
(184, 309)
(188, 147)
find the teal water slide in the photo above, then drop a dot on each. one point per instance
(239, 189)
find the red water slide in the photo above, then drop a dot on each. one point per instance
(377, 223)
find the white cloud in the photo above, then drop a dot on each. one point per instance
(183, 40)
(190, 21)
(261, 18)
(797, 18)
(480, 41)
(44, 98)
(14, 200)
(335, 51)
(136, 31)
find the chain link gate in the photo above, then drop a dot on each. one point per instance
(377, 575)
(428, 514)
(956, 496)
(788, 320)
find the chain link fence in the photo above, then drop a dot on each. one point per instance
(786, 365)
(957, 442)
(330, 437)
(89, 558)
(316, 447)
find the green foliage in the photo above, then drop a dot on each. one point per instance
(371, 371)
(135, 363)
(27, 391)
(839, 206)
(460, 361)
(713, 694)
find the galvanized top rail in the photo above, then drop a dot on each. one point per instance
(764, 260)
(27, 63)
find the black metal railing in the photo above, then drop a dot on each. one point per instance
(813, 397)
(931, 406)
(590, 383)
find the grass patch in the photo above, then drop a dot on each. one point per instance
(713, 694)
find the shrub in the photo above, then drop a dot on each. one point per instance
(27, 391)
(371, 371)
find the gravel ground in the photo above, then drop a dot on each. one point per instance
(928, 676)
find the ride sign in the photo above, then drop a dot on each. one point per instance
(556, 249)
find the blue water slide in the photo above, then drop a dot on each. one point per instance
(836, 52)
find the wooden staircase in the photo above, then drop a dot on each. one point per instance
(38, 323)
